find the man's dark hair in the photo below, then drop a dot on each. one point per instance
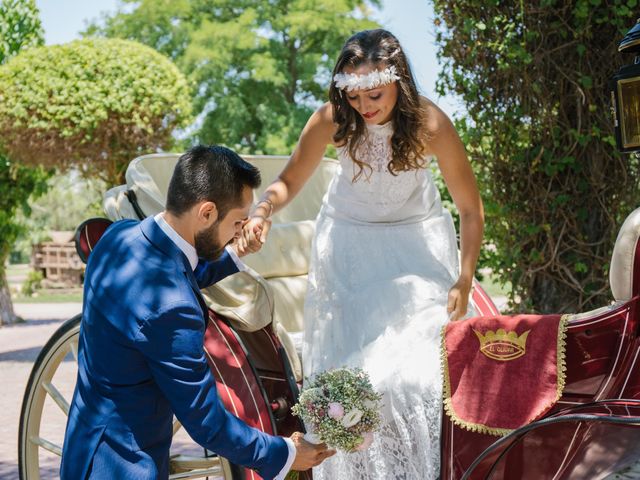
(210, 173)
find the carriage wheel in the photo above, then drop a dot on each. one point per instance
(46, 403)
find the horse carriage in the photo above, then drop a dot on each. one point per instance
(252, 343)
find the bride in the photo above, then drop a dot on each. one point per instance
(384, 275)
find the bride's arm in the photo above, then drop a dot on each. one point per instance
(456, 170)
(313, 141)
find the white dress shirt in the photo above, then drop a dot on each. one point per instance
(191, 254)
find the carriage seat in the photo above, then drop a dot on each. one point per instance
(624, 272)
(274, 286)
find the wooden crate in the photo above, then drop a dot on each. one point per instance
(59, 263)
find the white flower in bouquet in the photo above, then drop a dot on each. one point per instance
(351, 418)
(341, 408)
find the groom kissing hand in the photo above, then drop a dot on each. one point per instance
(141, 358)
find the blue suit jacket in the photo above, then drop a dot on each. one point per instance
(141, 360)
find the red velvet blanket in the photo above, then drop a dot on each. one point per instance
(502, 372)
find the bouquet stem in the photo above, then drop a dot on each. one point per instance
(292, 475)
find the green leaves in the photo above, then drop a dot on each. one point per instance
(533, 79)
(586, 81)
(93, 103)
(17, 185)
(259, 68)
(20, 27)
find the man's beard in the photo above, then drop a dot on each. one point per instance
(206, 243)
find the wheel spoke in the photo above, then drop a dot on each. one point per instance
(176, 426)
(210, 472)
(73, 347)
(61, 347)
(57, 397)
(47, 445)
(187, 462)
(185, 466)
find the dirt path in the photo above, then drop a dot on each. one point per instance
(19, 347)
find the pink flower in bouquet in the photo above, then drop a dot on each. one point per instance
(336, 411)
(366, 441)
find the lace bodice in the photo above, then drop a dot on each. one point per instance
(378, 195)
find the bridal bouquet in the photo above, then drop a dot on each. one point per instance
(341, 409)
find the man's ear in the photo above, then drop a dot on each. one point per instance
(208, 212)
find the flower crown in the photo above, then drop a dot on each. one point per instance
(354, 81)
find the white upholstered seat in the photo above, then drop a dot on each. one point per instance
(275, 288)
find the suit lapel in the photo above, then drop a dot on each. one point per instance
(152, 231)
(194, 286)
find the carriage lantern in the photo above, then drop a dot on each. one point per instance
(625, 95)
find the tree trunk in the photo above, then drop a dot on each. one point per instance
(548, 295)
(7, 315)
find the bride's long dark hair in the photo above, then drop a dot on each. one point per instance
(380, 49)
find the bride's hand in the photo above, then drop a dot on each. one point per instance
(458, 299)
(254, 234)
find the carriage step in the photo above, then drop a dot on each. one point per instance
(630, 473)
(185, 463)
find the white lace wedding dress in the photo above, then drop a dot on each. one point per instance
(384, 258)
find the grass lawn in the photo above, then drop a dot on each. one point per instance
(47, 297)
(17, 274)
(492, 286)
(19, 270)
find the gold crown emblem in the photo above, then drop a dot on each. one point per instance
(502, 345)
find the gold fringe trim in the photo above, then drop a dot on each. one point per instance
(481, 428)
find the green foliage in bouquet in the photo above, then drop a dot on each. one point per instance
(341, 407)
(292, 475)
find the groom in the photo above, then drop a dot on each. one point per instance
(141, 356)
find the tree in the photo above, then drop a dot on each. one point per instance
(20, 29)
(533, 77)
(259, 67)
(69, 200)
(93, 104)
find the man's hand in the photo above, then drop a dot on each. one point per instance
(308, 455)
